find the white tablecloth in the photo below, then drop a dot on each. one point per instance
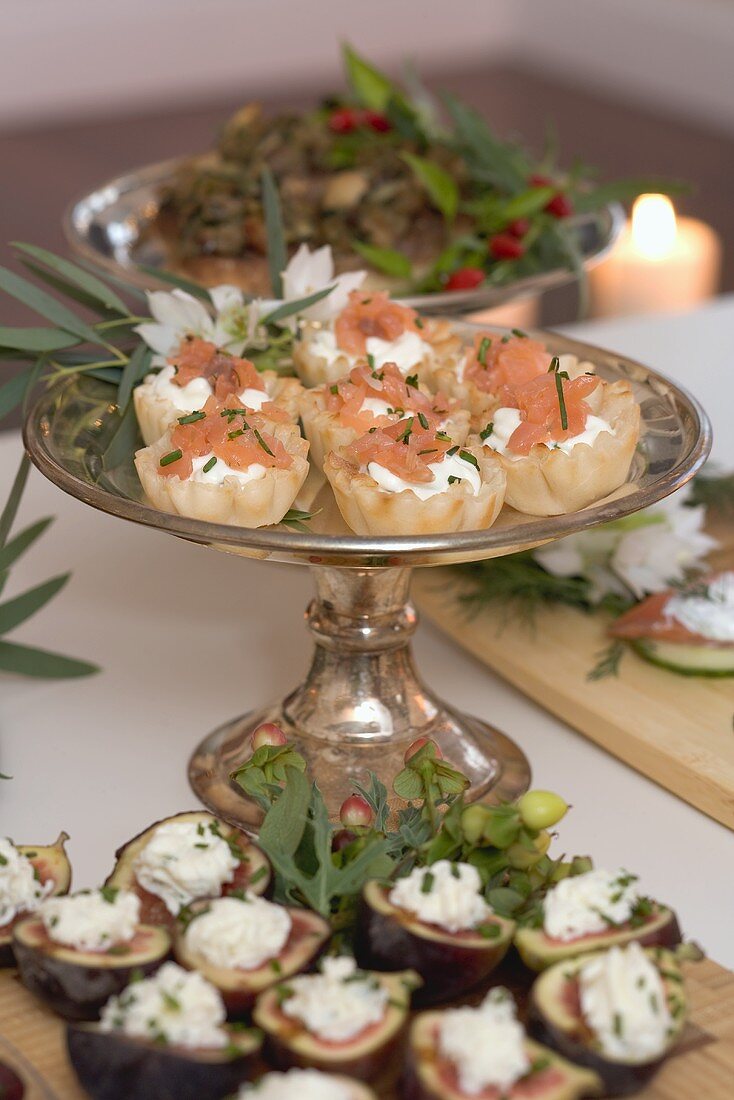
(188, 639)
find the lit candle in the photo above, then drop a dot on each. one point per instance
(661, 262)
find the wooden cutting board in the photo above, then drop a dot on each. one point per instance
(32, 1041)
(674, 729)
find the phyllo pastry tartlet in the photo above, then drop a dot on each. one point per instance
(405, 479)
(226, 465)
(337, 413)
(563, 442)
(477, 376)
(373, 328)
(199, 370)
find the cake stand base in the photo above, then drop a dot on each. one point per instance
(360, 706)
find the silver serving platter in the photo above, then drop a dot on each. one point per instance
(362, 701)
(110, 227)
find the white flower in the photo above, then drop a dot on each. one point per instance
(643, 553)
(175, 314)
(308, 272)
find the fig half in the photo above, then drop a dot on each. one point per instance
(239, 988)
(555, 1018)
(450, 963)
(290, 1043)
(111, 1066)
(76, 984)
(538, 950)
(252, 874)
(52, 865)
(429, 1076)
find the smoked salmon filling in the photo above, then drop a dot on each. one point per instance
(199, 370)
(336, 414)
(404, 479)
(563, 442)
(373, 328)
(476, 378)
(225, 464)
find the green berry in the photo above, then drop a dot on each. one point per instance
(541, 809)
(473, 822)
(521, 858)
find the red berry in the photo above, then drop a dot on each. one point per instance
(540, 181)
(342, 839)
(466, 278)
(503, 246)
(343, 120)
(560, 206)
(355, 811)
(519, 227)
(268, 734)
(377, 122)
(414, 747)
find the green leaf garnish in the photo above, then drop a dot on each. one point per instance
(441, 188)
(172, 456)
(388, 260)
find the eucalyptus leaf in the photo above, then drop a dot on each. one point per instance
(196, 290)
(277, 251)
(297, 305)
(371, 88)
(36, 339)
(13, 391)
(93, 286)
(12, 550)
(124, 284)
(41, 302)
(105, 374)
(388, 260)
(11, 504)
(29, 661)
(69, 290)
(137, 367)
(439, 185)
(123, 442)
(489, 159)
(16, 611)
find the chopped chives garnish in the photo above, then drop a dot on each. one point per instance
(422, 421)
(406, 432)
(263, 444)
(172, 456)
(412, 380)
(444, 436)
(237, 432)
(469, 457)
(334, 388)
(418, 322)
(191, 418)
(452, 481)
(452, 450)
(486, 432)
(561, 400)
(489, 931)
(427, 882)
(428, 451)
(209, 465)
(505, 340)
(483, 349)
(371, 362)
(519, 332)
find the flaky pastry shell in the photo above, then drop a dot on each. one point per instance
(367, 510)
(157, 414)
(549, 482)
(315, 370)
(326, 433)
(252, 504)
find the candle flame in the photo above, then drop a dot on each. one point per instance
(653, 226)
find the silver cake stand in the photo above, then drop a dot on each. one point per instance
(362, 702)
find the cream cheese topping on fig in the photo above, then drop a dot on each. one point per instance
(406, 351)
(447, 894)
(92, 920)
(486, 1044)
(175, 1007)
(296, 1084)
(623, 1001)
(337, 1004)
(585, 904)
(239, 932)
(20, 890)
(506, 420)
(445, 473)
(708, 612)
(185, 860)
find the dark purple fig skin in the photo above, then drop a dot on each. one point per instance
(447, 968)
(11, 1086)
(115, 1067)
(73, 990)
(51, 861)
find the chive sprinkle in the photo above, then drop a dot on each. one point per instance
(427, 882)
(412, 380)
(453, 481)
(172, 456)
(519, 332)
(486, 432)
(452, 451)
(406, 432)
(559, 390)
(418, 323)
(371, 362)
(209, 465)
(469, 457)
(334, 389)
(191, 418)
(483, 349)
(263, 444)
(237, 432)
(428, 451)
(422, 421)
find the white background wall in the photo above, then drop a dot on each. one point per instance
(64, 57)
